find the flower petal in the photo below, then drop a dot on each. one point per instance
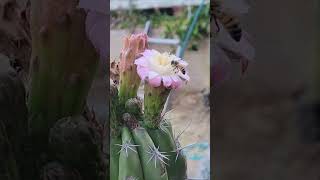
(148, 53)
(167, 81)
(142, 61)
(142, 72)
(176, 82)
(155, 82)
(152, 74)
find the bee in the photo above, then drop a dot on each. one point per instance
(229, 22)
(178, 67)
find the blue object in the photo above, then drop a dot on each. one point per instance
(186, 39)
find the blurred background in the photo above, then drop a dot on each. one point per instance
(167, 23)
(258, 130)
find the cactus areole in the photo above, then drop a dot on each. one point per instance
(142, 144)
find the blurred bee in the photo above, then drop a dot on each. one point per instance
(229, 21)
(227, 51)
(114, 72)
(178, 67)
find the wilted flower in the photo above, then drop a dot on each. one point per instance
(161, 69)
(134, 45)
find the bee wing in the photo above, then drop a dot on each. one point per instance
(235, 7)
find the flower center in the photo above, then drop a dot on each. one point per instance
(162, 59)
(161, 63)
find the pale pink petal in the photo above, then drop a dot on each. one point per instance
(176, 82)
(155, 82)
(142, 72)
(167, 81)
(152, 74)
(148, 53)
(142, 61)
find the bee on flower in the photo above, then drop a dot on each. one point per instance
(162, 69)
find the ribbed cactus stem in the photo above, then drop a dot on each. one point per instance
(114, 112)
(134, 45)
(154, 100)
(127, 89)
(63, 63)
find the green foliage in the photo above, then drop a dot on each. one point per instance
(171, 26)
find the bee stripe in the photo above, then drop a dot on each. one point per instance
(231, 23)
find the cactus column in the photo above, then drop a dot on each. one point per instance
(63, 64)
(142, 144)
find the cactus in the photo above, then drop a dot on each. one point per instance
(49, 134)
(142, 143)
(63, 62)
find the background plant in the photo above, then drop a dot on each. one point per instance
(172, 23)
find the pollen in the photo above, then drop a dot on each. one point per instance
(162, 59)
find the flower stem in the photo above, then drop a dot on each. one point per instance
(154, 100)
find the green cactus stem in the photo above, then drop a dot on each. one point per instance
(114, 157)
(129, 79)
(115, 133)
(63, 64)
(154, 100)
(166, 126)
(176, 167)
(129, 162)
(152, 160)
(115, 111)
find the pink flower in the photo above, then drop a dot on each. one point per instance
(162, 69)
(133, 46)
